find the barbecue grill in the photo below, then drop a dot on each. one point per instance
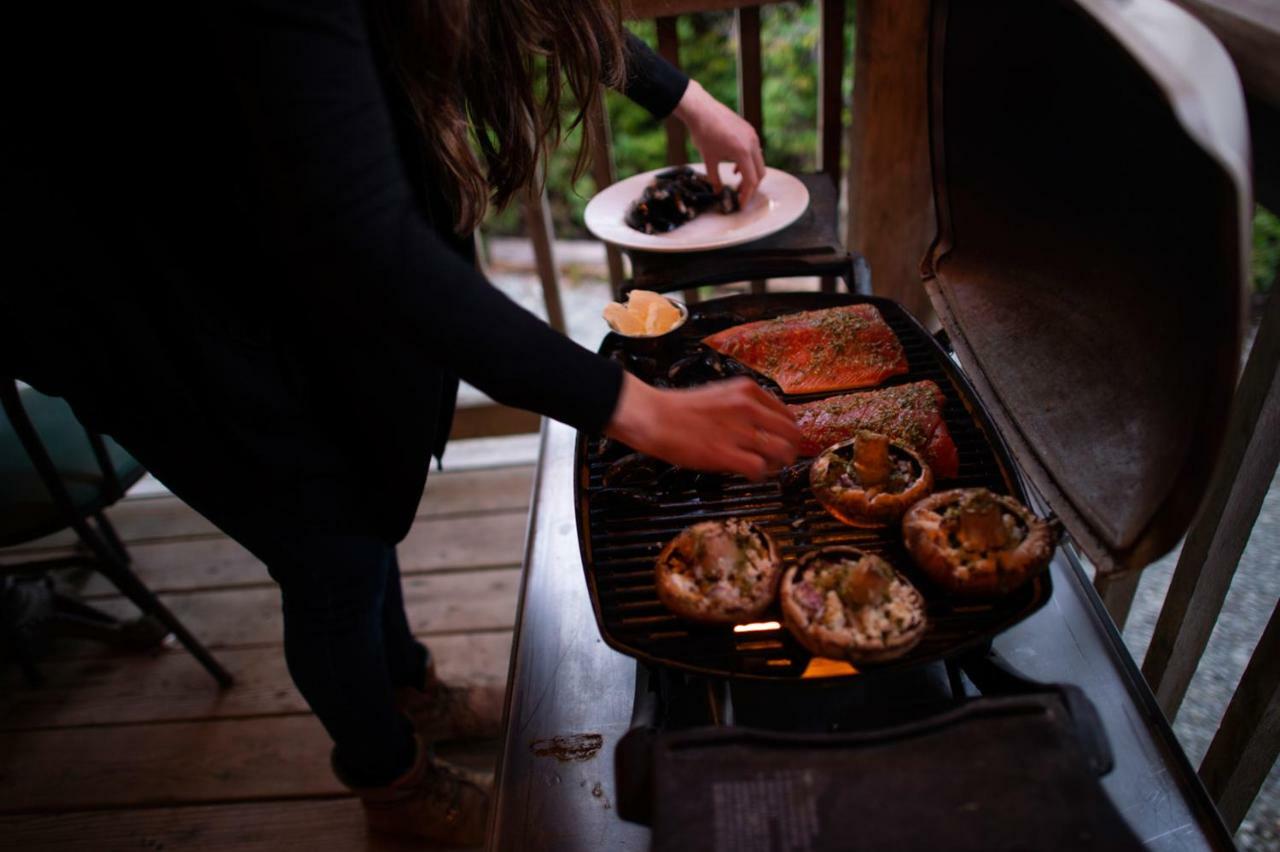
(620, 541)
(1091, 285)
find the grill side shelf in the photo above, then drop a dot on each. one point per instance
(619, 543)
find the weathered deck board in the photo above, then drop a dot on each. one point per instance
(436, 603)
(140, 751)
(168, 687)
(114, 766)
(433, 544)
(165, 518)
(298, 826)
(226, 760)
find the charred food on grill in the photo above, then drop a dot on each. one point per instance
(976, 543)
(719, 572)
(676, 196)
(869, 481)
(846, 604)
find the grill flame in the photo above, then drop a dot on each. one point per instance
(756, 627)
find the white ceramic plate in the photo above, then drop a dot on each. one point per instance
(779, 200)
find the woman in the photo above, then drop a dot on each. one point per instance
(243, 233)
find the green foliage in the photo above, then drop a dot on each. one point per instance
(708, 49)
(789, 47)
(1266, 249)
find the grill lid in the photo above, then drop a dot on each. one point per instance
(1090, 165)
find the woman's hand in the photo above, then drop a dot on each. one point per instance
(732, 426)
(721, 135)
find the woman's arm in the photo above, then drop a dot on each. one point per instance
(719, 133)
(336, 202)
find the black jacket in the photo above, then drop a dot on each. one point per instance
(229, 257)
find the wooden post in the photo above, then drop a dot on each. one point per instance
(1221, 528)
(537, 215)
(1248, 740)
(750, 77)
(1117, 592)
(831, 105)
(669, 47)
(891, 215)
(602, 169)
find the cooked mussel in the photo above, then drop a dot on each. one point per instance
(634, 469)
(676, 196)
(795, 478)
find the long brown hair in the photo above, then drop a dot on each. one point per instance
(486, 76)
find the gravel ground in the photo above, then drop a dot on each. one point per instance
(1248, 606)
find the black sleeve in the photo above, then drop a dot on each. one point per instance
(652, 82)
(339, 205)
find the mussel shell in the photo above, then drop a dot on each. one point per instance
(795, 478)
(634, 469)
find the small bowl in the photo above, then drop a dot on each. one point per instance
(684, 317)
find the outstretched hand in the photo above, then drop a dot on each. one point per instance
(732, 426)
(721, 135)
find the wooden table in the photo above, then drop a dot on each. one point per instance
(565, 682)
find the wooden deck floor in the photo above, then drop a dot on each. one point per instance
(143, 752)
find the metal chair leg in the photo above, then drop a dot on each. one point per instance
(109, 535)
(122, 576)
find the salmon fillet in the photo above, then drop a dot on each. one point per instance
(814, 351)
(911, 413)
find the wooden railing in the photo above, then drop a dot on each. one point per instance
(832, 66)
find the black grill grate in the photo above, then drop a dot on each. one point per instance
(619, 543)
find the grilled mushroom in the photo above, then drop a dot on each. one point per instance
(869, 480)
(719, 572)
(975, 543)
(847, 604)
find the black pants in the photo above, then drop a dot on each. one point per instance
(347, 640)
(348, 646)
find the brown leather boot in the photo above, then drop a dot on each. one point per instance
(433, 801)
(440, 712)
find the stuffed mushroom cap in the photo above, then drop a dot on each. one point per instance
(846, 604)
(719, 572)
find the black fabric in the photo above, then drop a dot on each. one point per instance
(652, 82)
(997, 774)
(230, 255)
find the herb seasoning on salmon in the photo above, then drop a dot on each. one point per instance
(909, 413)
(813, 351)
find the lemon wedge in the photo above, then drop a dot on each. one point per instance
(645, 313)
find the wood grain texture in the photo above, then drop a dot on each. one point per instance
(285, 826)
(669, 48)
(436, 603)
(1218, 536)
(448, 493)
(1248, 740)
(831, 66)
(891, 215)
(168, 687)
(227, 760)
(1117, 593)
(433, 544)
(73, 768)
(604, 173)
(537, 217)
